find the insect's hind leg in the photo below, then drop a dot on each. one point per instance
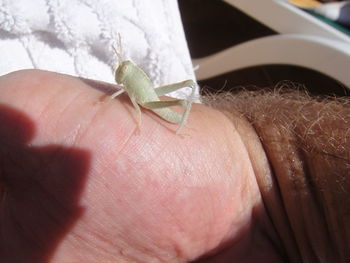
(158, 107)
(161, 109)
(175, 86)
(152, 105)
(162, 90)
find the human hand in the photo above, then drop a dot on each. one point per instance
(77, 184)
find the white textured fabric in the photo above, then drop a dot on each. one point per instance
(76, 36)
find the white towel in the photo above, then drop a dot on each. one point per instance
(76, 36)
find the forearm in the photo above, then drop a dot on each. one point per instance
(300, 153)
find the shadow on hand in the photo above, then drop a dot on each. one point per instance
(40, 189)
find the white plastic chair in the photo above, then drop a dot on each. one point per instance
(303, 41)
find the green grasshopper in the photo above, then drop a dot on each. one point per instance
(138, 86)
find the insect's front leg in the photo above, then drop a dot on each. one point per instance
(116, 94)
(138, 112)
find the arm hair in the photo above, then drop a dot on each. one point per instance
(306, 187)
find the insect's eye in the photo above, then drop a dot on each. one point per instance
(122, 68)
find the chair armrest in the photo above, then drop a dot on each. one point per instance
(330, 57)
(287, 19)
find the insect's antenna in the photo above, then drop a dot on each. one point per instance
(120, 46)
(119, 55)
(118, 49)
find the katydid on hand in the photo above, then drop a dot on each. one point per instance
(140, 90)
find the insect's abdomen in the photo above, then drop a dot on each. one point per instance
(139, 85)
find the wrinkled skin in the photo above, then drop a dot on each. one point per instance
(78, 185)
